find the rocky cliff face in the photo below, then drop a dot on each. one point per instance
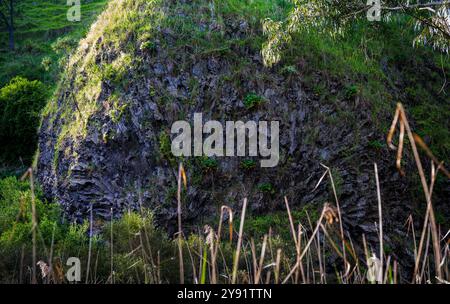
(105, 138)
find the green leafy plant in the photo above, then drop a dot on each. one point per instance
(351, 91)
(376, 144)
(64, 45)
(208, 163)
(46, 63)
(165, 146)
(20, 104)
(248, 164)
(266, 188)
(289, 69)
(252, 100)
(148, 46)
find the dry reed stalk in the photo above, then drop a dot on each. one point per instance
(395, 272)
(400, 117)
(332, 242)
(216, 243)
(194, 273)
(388, 269)
(211, 241)
(341, 229)
(277, 266)
(305, 250)
(150, 251)
(261, 260)
(268, 277)
(90, 245)
(225, 265)
(309, 263)
(112, 248)
(181, 174)
(319, 257)
(353, 253)
(200, 257)
(255, 264)
(50, 258)
(34, 226)
(410, 223)
(158, 261)
(426, 254)
(428, 215)
(238, 249)
(291, 222)
(294, 236)
(230, 224)
(380, 215)
(427, 150)
(299, 249)
(446, 257)
(366, 250)
(247, 275)
(270, 243)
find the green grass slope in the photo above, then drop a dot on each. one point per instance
(39, 24)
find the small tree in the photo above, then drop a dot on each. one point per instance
(7, 16)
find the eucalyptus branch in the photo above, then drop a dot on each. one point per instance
(418, 5)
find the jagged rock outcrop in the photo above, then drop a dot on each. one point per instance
(104, 138)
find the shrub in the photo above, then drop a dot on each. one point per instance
(165, 147)
(46, 63)
(148, 46)
(266, 188)
(65, 45)
(208, 164)
(248, 164)
(351, 91)
(252, 100)
(20, 104)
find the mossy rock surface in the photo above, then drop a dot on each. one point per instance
(146, 64)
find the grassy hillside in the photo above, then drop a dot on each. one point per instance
(39, 24)
(376, 62)
(44, 39)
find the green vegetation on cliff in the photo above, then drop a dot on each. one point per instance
(44, 40)
(374, 63)
(377, 60)
(372, 67)
(41, 29)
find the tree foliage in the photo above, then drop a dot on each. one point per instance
(7, 12)
(432, 21)
(20, 104)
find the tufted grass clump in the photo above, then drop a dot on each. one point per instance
(248, 164)
(208, 163)
(253, 100)
(266, 188)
